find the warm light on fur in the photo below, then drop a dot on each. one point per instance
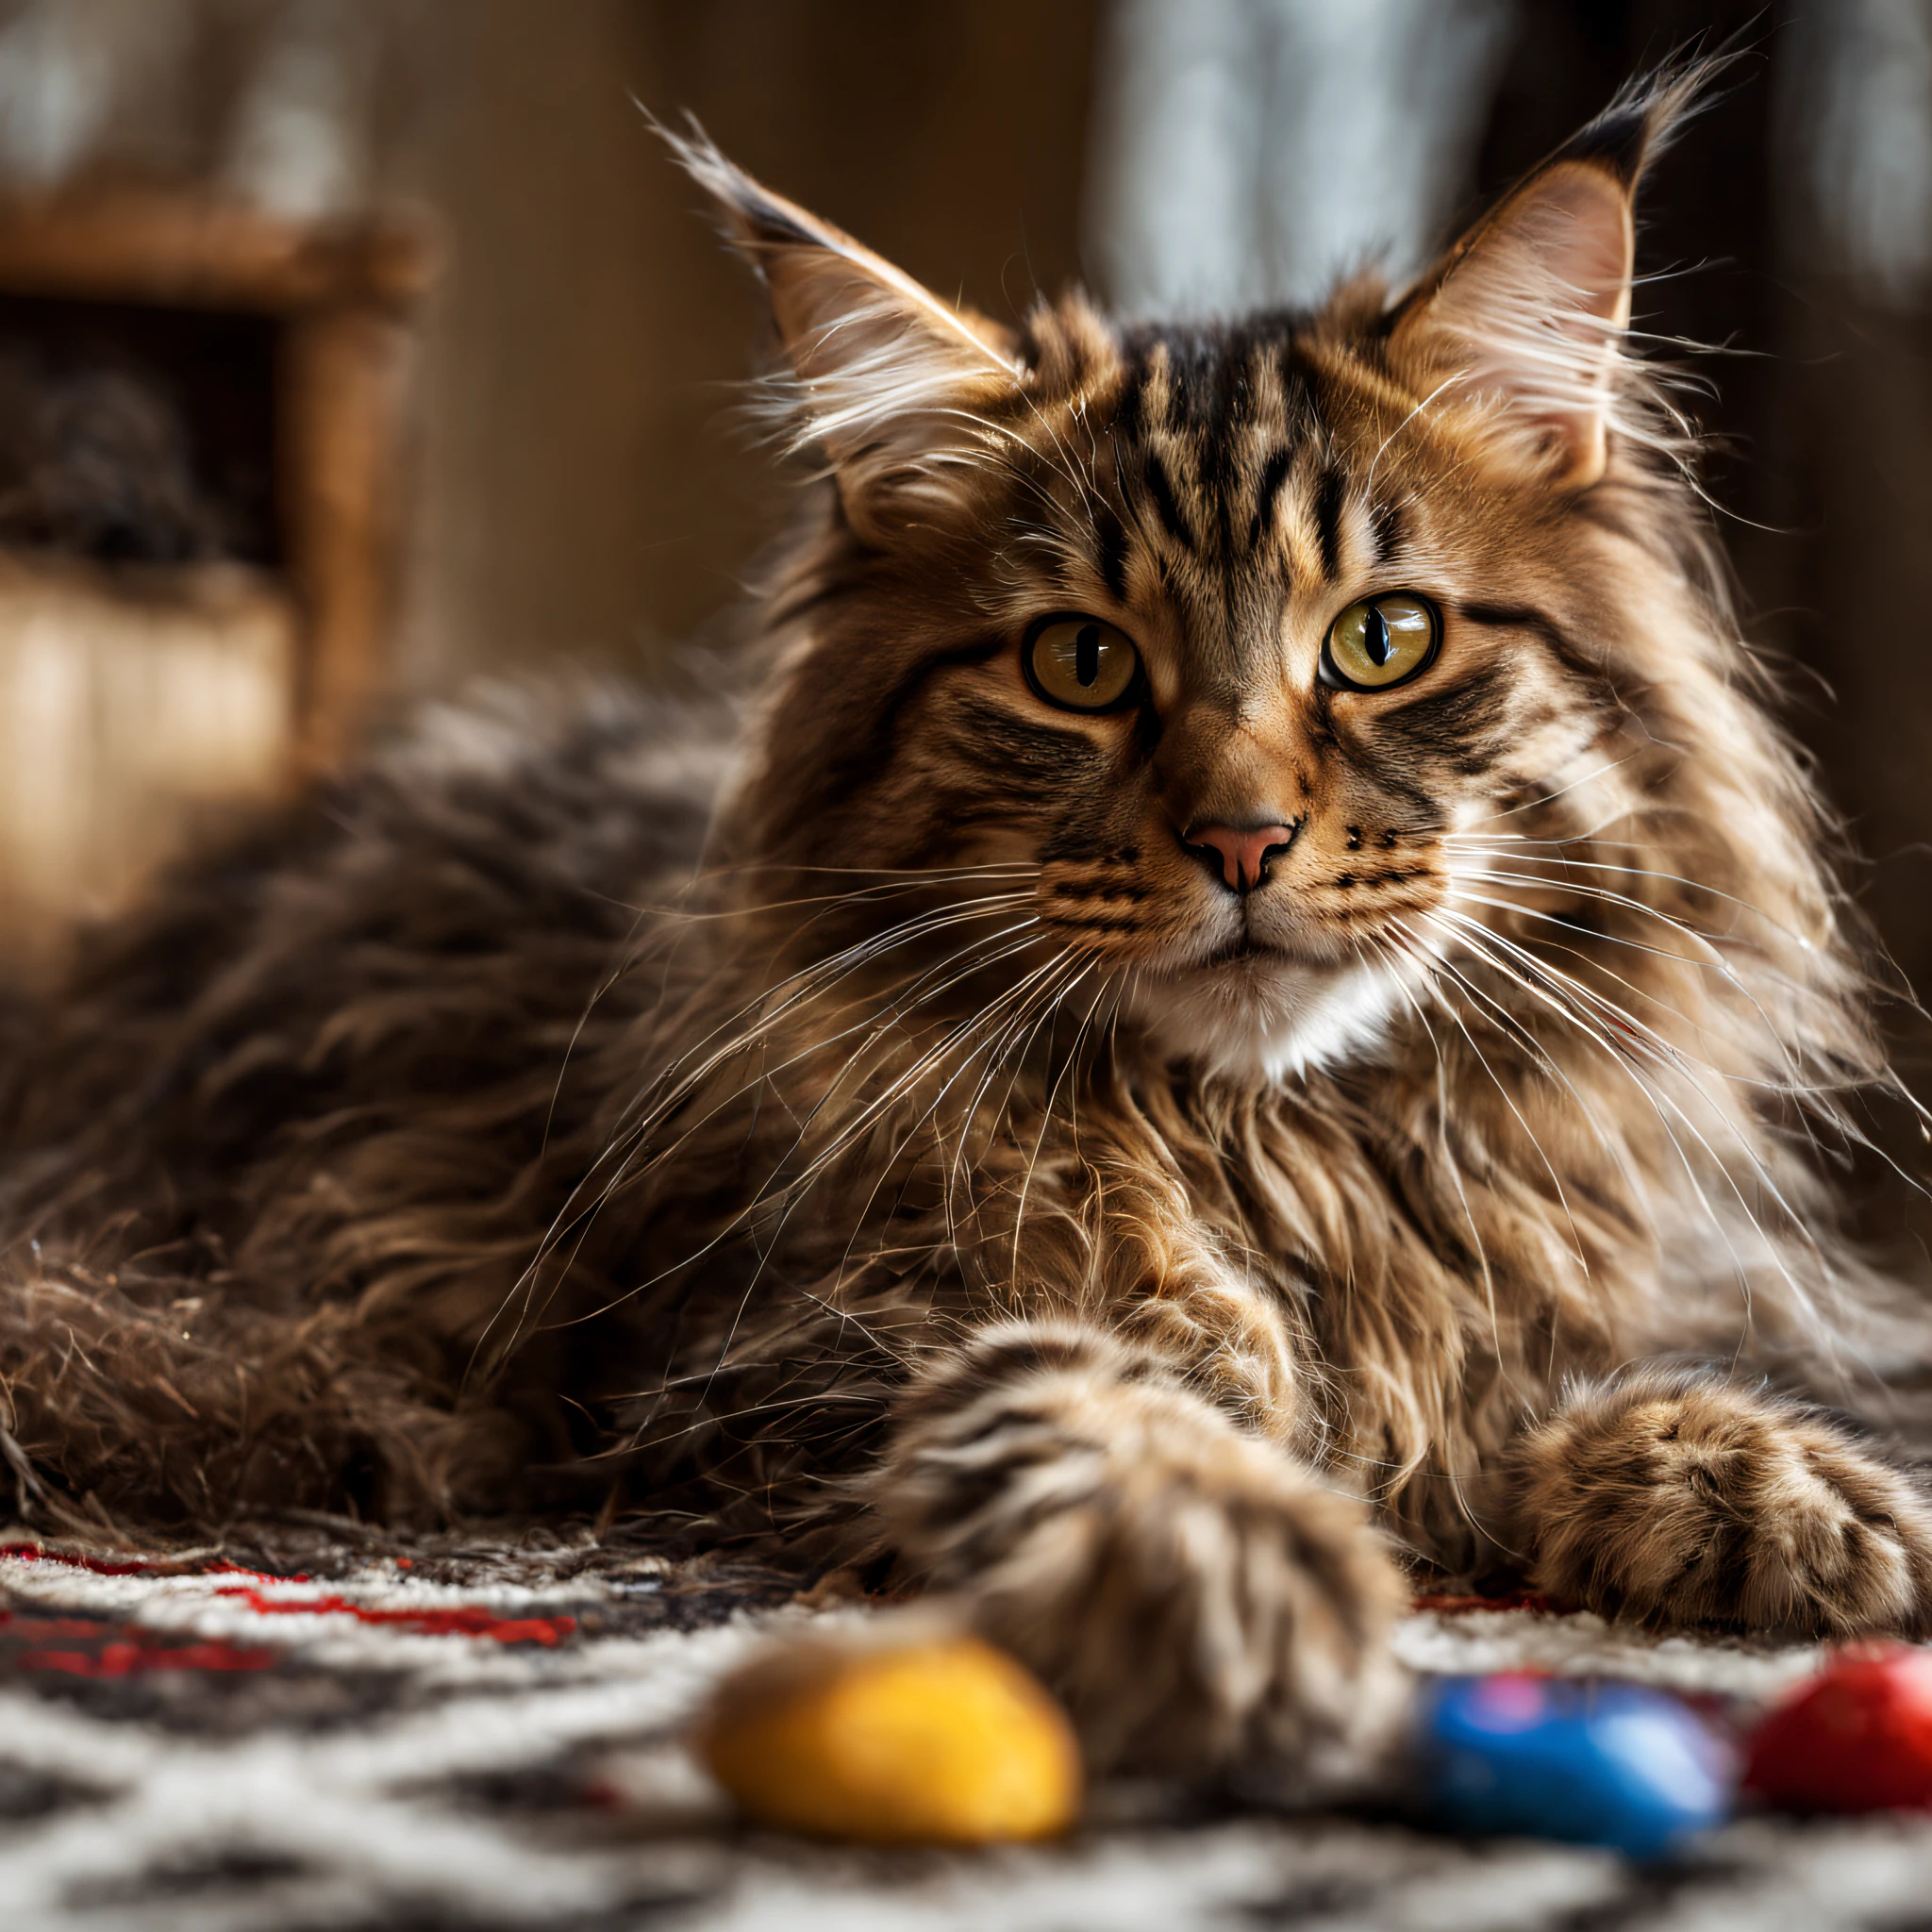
(961, 1168)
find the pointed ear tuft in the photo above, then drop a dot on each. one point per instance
(885, 371)
(1526, 315)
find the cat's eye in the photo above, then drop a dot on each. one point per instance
(1081, 664)
(1379, 643)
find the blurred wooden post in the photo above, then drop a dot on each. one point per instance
(339, 388)
(141, 703)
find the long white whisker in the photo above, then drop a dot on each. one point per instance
(1660, 1101)
(579, 1210)
(1569, 862)
(1037, 985)
(795, 1190)
(1046, 1113)
(1556, 1180)
(1661, 1050)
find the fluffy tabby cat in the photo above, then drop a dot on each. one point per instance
(1258, 965)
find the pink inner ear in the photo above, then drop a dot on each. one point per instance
(1585, 223)
(1530, 313)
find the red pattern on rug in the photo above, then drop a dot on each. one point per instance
(95, 1648)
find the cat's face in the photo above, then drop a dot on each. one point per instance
(1224, 640)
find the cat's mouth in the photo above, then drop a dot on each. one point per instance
(1243, 947)
(1258, 1011)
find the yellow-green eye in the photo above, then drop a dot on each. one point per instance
(1081, 664)
(1373, 645)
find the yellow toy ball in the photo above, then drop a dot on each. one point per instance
(945, 1741)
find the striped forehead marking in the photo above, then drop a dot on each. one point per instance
(1220, 428)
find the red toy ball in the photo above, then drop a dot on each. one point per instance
(1856, 1737)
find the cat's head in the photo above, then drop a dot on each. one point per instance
(1238, 641)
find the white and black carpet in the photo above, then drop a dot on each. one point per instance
(456, 1736)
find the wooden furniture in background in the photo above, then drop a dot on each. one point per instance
(137, 700)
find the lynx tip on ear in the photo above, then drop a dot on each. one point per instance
(1525, 316)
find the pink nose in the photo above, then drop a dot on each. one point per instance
(1244, 855)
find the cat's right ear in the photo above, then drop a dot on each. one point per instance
(1523, 321)
(887, 377)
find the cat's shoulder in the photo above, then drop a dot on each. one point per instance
(557, 754)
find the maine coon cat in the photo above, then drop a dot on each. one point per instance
(1257, 990)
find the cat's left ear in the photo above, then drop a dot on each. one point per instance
(1525, 317)
(887, 376)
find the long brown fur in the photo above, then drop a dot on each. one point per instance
(944, 1159)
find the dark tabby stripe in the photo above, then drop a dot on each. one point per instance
(1274, 475)
(1458, 722)
(874, 752)
(1111, 538)
(1328, 522)
(1021, 750)
(1387, 521)
(1547, 631)
(1161, 490)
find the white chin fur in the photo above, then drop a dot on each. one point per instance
(1268, 1019)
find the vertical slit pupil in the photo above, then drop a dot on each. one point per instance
(1087, 655)
(1376, 639)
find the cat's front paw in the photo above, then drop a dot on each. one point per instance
(1681, 1501)
(1202, 1603)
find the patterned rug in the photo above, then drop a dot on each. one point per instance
(322, 1728)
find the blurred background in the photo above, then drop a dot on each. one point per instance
(351, 348)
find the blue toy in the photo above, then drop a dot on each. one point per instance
(1591, 1763)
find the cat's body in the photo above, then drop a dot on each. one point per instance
(1259, 947)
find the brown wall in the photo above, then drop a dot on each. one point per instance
(582, 488)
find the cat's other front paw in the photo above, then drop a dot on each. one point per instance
(1675, 1501)
(1203, 1604)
